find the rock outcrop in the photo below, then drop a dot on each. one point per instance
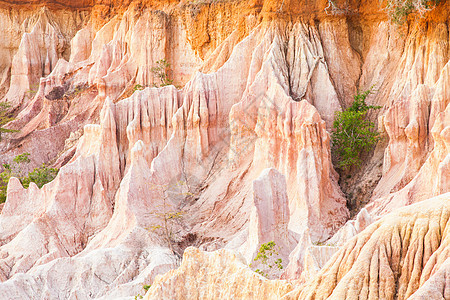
(215, 275)
(404, 252)
(235, 155)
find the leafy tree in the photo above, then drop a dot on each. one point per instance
(353, 132)
(5, 118)
(39, 176)
(267, 257)
(161, 73)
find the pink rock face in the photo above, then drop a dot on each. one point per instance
(238, 157)
(403, 255)
(35, 58)
(224, 270)
(271, 213)
(161, 136)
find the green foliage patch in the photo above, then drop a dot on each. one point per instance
(353, 133)
(5, 118)
(398, 10)
(39, 176)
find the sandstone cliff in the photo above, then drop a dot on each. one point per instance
(238, 148)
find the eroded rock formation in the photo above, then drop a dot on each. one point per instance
(237, 153)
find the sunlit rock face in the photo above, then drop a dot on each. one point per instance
(235, 154)
(215, 275)
(402, 255)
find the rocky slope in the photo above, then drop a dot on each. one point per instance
(404, 255)
(238, 150)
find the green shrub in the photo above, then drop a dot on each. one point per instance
(267, 257)
(5, 118)
(39, 176)
(138, 87)
(161, 73)
(353, 133)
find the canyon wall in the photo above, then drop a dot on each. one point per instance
(236, 153)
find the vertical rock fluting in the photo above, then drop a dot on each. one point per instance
(414, 127)
(269, 220)
(268, 102)
(404, 255)
(37, 55)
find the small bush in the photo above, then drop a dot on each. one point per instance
(267, 257)
(138, 87)
(353, 133)
(39, 176)
(399, 10)
(5, 118)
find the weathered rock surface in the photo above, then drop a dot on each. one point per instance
(241, 153)
(400, 254)
(221, 274)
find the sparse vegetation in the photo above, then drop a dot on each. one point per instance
(39, 176)
(161, 73)
(169, 216)
(267, 258)
(146, 287)
(77, 90)
(398, 10)
(323, 244)
(34, 88)
(168, 227)
(353, 133)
